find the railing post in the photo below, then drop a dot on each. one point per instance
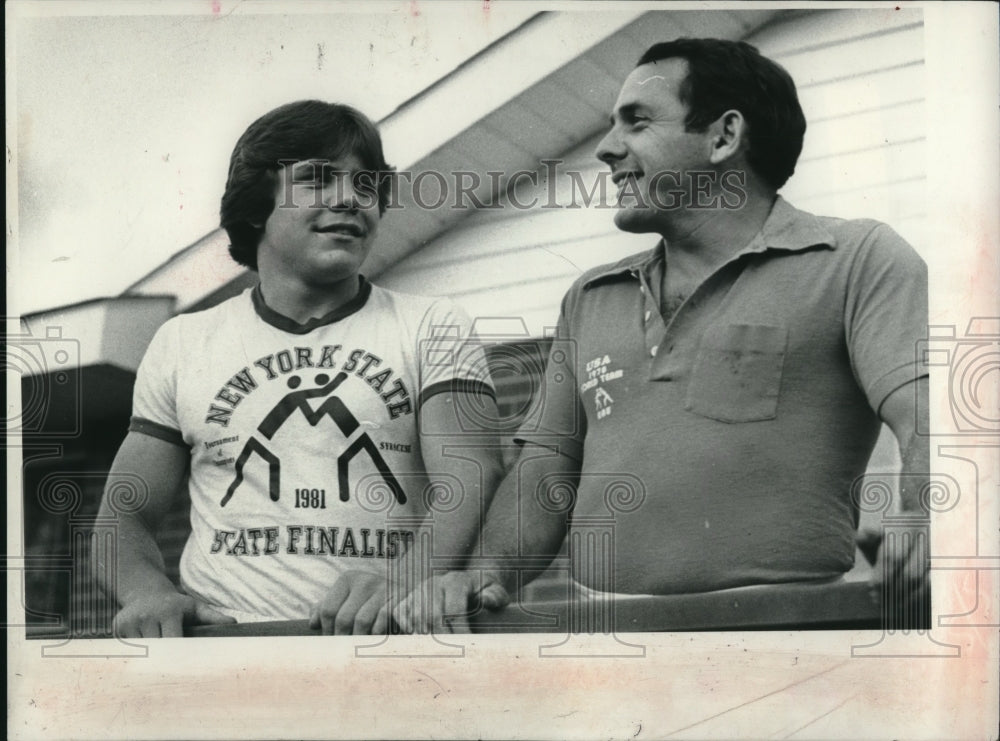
(592, 553)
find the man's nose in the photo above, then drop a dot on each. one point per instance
(341, 194)
(610, 148)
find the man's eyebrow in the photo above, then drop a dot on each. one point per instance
(317, 166)
(625, 111)
(305, 168)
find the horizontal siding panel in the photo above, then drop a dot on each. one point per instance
(664, 25)
(861, 77)
(876, 167)
(460, 193)
(520, 294)
(822, 28)
(565, 196)
(565, 111)
(532, 229)
(863, 131)
(394, 241)
(891, 202)
(856, 58)
(575, 188)
(536, 303)
(556, 229)
(482, 271)
(540, 321)
(525, 126)
(861, 81)
(750, 20)
(879, 89)
(490, 146)
(584, 156)
(420, 221)
(512, 298)
(585, 74)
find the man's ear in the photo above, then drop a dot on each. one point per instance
(728, 136)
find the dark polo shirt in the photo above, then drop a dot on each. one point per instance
(725, 439)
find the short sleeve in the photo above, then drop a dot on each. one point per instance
(154, 400)
(556, 419)
(885, 314)
(451, 358)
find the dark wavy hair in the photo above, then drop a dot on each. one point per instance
(307, 129)
(724, 75)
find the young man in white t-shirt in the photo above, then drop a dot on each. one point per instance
(310, 416)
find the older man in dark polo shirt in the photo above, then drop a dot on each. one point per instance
(737, 373)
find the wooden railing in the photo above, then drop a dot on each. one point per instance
(842, 605)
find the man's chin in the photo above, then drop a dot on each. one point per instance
(635, 220)
(332, 272)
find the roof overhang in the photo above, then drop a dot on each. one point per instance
(537, 92)
(112, 332)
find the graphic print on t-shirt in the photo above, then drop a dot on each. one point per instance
(334, 408)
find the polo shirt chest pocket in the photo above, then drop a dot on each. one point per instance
(737, 373)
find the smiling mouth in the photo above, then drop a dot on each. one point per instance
(619, 178)
(627, 183)
(345, 230)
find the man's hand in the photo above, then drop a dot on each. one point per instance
(442, 603)
(356, 605)
(163, 615)
(902, 565)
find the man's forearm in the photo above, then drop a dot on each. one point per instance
(916, 474)
(161, 467)
(457, 529)
(518, 538)
(914, 449)
(522, 532)
(448, 534)
(140, 568)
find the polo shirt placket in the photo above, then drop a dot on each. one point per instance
(753, 405)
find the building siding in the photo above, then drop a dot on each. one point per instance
(861, 83)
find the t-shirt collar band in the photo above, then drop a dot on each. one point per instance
(286, 324)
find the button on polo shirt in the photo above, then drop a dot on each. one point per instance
(740, 422)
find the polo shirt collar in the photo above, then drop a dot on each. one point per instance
(791, 230)
(632, 265)
(786, 228)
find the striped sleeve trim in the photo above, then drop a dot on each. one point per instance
(456, 385)
(885, 386)
(562, 446)
(161, 432)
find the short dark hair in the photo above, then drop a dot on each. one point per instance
(724, 75)
(307, 129)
